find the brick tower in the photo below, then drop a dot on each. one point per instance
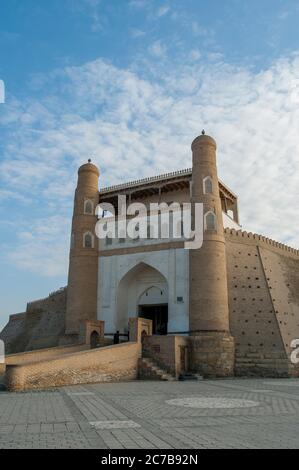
(212, 347)
(83, 265)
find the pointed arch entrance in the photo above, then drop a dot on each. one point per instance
(94, 340)
(143, 291)
(153, 304)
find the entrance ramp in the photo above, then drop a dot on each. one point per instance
(108, 364)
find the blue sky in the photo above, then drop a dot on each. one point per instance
(131, 83)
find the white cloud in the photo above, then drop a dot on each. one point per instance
(283, 15)
(138, 3)
(157, 49)
(133, 127)
(137, 33)
(163, 10)
(93, 9)
(199, 30)
(194, 54)
(152, 12)
(43, 247)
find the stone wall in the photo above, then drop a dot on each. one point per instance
(263, 285)
(12, 333)
(2, 375)
(166, 351)
(41, 326)
(55, 301)
(282, 274)
(212, 354)
(138, 327)
(42, 354)
(109, 364)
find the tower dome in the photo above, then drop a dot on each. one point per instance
(202, 140)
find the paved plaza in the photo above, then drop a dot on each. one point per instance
(236, 413)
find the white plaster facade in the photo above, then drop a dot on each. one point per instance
(124, 280)
(152, 277)
(228, 222)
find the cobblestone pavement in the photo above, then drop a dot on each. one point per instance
(236, 413)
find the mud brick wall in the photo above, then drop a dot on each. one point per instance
(165, 350)
(42, 354)
(41, 326)
(109, 364)
(263, 285)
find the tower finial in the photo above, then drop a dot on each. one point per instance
(203, 132)
(89, 160)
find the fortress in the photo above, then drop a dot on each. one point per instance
(228, 308)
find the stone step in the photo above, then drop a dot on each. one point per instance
(153, 371)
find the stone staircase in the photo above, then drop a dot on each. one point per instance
(149, 370)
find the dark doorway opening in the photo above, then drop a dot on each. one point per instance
(159, 316)
(94, 340)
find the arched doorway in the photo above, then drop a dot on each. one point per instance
(143, 292)
(94, 340)
(153, 305)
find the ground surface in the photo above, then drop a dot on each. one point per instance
(235, 413)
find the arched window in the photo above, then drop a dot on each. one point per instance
(210, 221)
(88, 207)
(88, 240)
(207, 185)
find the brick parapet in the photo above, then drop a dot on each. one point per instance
(259, 240)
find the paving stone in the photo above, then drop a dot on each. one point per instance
(238, 413)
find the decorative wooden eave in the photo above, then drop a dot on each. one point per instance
(165, 183)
